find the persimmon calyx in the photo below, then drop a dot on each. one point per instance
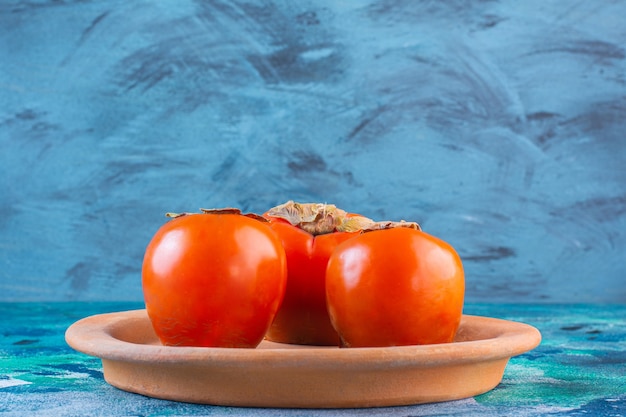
(226, 210)
(322, 218)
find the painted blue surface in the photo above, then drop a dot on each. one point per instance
(498, 125)
(577, 370)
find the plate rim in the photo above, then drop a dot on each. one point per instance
(95, 336)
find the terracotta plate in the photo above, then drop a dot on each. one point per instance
(279, 375)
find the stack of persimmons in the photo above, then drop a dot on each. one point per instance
(309, 274)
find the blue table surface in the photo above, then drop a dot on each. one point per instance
(579, 369)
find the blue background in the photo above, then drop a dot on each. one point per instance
(498, 125)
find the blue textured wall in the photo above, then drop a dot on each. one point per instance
(498, 125)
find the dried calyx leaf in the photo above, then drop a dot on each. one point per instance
(392, 225)
(227, 210)
(321, 218)
(315, 218)
(175, 215)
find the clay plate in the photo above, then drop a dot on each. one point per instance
(280, 375)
